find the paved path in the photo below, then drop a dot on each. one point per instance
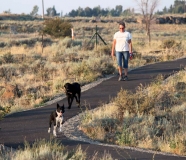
(33, 124)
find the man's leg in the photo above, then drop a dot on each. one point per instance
(119, 57)
(125, 65)
(125, 71)
(120, 70)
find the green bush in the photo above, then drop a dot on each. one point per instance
(124, 137)
(4, 111)
(57, 28)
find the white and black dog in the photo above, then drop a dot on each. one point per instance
(56, 117)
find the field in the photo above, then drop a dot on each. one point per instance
(32, 73)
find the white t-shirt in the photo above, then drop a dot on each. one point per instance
(122, 40)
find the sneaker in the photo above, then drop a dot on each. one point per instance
(125, 78)
(120, 78)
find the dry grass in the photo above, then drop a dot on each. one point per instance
(155, 113)
(65, 60)
(48, 150)
(40, 76)
(51, 66)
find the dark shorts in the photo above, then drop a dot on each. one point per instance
(122, 58)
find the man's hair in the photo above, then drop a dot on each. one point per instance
(122, 23)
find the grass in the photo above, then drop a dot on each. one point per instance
(153, 117)
(43, 75)
(48, 150)
(40, 76)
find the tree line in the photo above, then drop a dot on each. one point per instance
(98, 11)
(178, 7)
(87, 12)
(51, 11)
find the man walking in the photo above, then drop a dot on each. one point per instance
(122, 45)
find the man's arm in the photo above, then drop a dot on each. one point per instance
(130, 45)
(113, 48)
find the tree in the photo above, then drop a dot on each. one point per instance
(147, 8)
(179, 9)
(179, 6)
(104, 12)
(165, 10)
(119, 9)
(34, 11)
(170, 9)
(112, 12)
(128, 12)
(81, 12)
(88, 12)
(57, 28)
(73, 13)
(96, 11)
(52, 12)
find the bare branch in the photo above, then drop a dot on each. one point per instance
(147, 8)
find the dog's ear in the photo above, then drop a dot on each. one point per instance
(64, 89)
(63, 108)
(65, 85)
(58, 106)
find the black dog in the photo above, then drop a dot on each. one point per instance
(73, 90)
(56, 117)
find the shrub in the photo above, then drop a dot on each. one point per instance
(124, 137)
(8, 58)
(57, 28)
(4, 111)
(104, 49)
(170, 43)
(87, 45)
(68, 42)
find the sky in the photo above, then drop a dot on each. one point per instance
(65, 6)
